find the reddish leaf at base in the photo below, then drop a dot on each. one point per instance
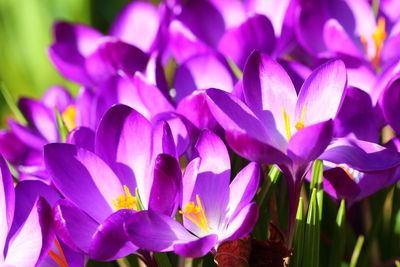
(255, 253)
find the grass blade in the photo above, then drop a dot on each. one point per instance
(62, 128)
(339, 237)
(357, 251)
(298, 241)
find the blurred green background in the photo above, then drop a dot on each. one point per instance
(26, 33)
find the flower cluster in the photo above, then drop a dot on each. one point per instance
(139, 162)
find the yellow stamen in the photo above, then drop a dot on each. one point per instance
(60, 257)
(347, 170)
(364, 43)
(300, 124)
(195, 213)
(125, 202)
(379, 36)
(69, 117)
(286, 120)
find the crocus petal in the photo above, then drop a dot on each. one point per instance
(274, 11)
(156, 232)
(356, 116)
(256, 33)
(389, 103)
(84, 104)
(81, 37)
(57, 96)
(202, 72)
(308, 143)
(75, 227)
(182, 132)
(233, 11)
(242, 224)
(339, 185)
(113, 56)
(212, 181)
(166, 185)
(194, 107)
(267, 86)
(212, 27)
(28, 136)
(184, 44)
(73, 43)
(196, 248)
(33, 238)
(123, 140)
(233, 114)
(337, 40)
(39, 117)
(26, 193)
(389, 51)
(151, 97)
(253, 149)
(110, 241)
(7, 202)
(163, 141)
(361, 155)
(137, 19)
(12, 149)
(243, 188)
(84, 178)
(309, 26)
(70, 63)
(321, 94)
(82, 137)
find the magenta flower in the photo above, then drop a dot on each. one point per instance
(277, 126)
(100, 187)
(25, 239)
(355, 169)
(213, 210)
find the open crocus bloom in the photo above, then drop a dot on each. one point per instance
(100, 188)
(355, 169)
(212, 209)
(275, 125)
(22, 242)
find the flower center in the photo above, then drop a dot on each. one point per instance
(299, 125)
(126, 201)
(379, 36)
(195, 213)
(60, 257)
(69, 117)
(352, 173)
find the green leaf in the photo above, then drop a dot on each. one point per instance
(339, 236)
(357, 251)
(62, 128)
(312, 233)
(317, 170)
(162, 259)
(12, 104)
(298, 240)
(139, 200)
(260, 231)
(238, 73)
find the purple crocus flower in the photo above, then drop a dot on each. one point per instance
(355, 169)
(213, 210)
(277, 126)
(84, 55)
(357, 117)
(99, 188)
(26, 153)
(30, 241)
(389, 103)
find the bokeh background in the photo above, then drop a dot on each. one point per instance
(25, 35)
